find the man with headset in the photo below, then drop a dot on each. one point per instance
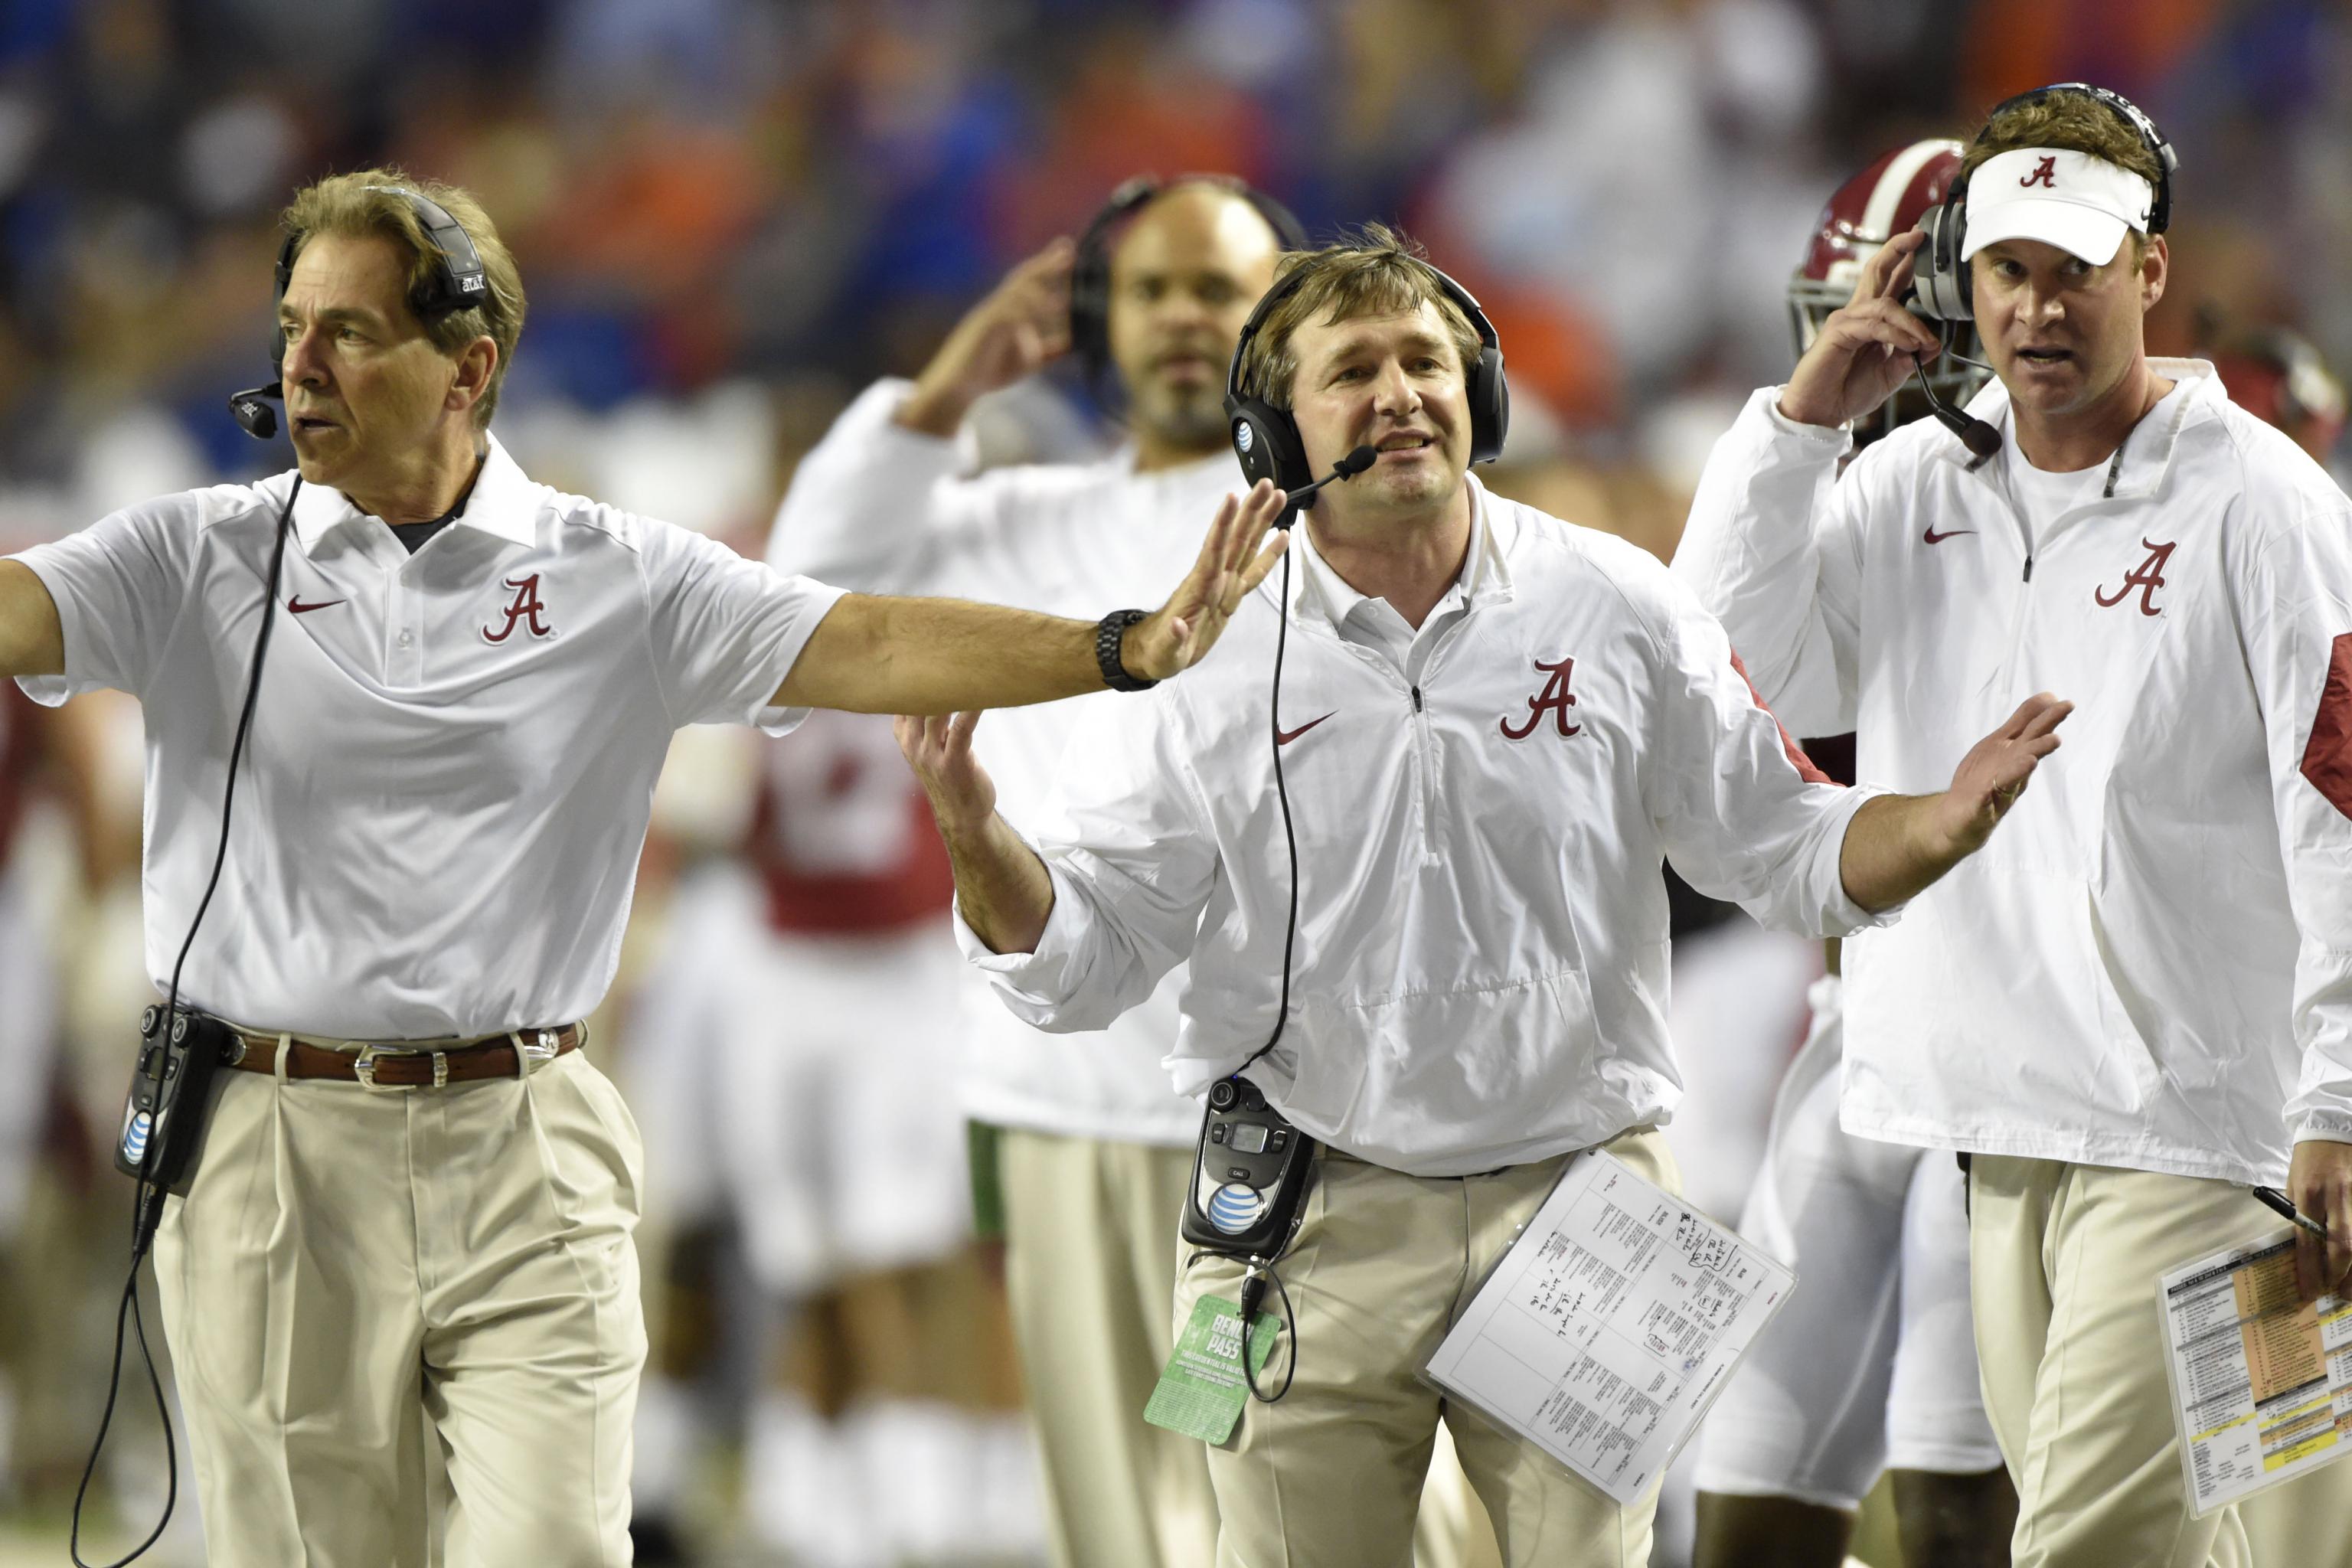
(2139, 1000)
(415, 1197)
(1491, 727)
(1096, 1150)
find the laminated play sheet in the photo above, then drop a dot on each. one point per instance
(2261, 1382)
(1610, 1325)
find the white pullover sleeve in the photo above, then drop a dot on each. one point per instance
(1771, 549)
(2297, 631)
(1133, 865)
(1742, 816)
(880, 509)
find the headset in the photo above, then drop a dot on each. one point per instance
(456, 282)
(1940, 282)
(1266, 438)
(1090, 272)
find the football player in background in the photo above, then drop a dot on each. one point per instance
(1871, 1364)
(43, 756)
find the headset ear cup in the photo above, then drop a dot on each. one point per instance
(1266, 442)
(1939, 281)
(1090, 328)
(1490, 408)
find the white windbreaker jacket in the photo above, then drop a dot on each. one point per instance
(2150, 966)
(881, 509)
(1481, 972)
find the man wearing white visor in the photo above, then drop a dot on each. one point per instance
(2138, 1000)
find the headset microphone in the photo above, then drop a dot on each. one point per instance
(253, 415)
(1980, 438)
(1347, 468)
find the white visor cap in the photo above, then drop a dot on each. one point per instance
(2080, 204)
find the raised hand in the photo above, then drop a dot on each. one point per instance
(939, 748)
(1021, 327)
(1866, 351)
(1175, 637)
(1994, 773)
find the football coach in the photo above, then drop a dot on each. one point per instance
(1494, 725)
(417, 1195)
(2139, 1001)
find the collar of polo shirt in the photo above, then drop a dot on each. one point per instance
(1319, 590)
(503, 503)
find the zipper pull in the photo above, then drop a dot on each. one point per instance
(1416, 698)
(2029, 568)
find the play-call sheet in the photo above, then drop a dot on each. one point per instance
(1610, 1325)
(2261, 1382)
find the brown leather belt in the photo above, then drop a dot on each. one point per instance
(401, 1066)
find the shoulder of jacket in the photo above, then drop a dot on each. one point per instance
(2281, 483)
(1552, 554)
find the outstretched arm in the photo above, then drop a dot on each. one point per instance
(1898, 845)
(877, 655)
(32, 639)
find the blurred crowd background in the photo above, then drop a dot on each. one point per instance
(731, 214)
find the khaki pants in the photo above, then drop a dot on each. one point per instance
(2064, 1261)
(350, 1266)
(1332, 1476)
(1089, 1266)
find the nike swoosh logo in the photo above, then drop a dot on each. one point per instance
(1284, 737)
(299, 608)
(1932, 537)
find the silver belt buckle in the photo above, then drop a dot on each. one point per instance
(364, 1068)
(534, 1049)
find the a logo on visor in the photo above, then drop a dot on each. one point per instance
(2045, 175)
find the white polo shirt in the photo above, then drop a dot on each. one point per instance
(452, 763)
(1480, 970)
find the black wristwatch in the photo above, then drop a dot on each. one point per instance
(1109, 633)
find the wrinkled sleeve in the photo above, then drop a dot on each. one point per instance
(1133, 864)
(1743, 815)
(881, 509)
(118, 586)
(1772, 549)
(2297, 630)
(724, 630)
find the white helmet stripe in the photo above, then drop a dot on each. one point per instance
(1878, 216)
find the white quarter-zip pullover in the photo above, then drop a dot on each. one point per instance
(884, 509)
(1481, 970)
(452, 761)
(2150, 964)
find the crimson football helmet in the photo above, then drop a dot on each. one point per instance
(1886, 199)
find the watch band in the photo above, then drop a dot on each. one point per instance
(1109, 633)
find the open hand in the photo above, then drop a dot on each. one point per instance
(938, 748)
(1864, 351)
(1993, 775)
(1021, 327)
(1175, 637)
